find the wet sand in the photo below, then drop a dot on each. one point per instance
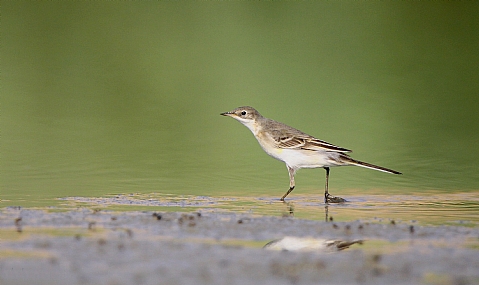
(85, 246)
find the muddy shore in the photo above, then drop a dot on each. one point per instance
(102, 247)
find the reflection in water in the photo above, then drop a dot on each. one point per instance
(461, 208)
(309, 244)
(326, 213)
(289, 209)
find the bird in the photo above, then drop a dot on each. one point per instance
(297, 149)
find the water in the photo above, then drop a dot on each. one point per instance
(430, 209)
(106, 99)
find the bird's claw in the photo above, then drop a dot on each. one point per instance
(332, 199)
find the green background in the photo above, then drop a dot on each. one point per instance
(100, 98)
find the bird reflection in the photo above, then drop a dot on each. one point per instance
(289, 211)
(289, 243)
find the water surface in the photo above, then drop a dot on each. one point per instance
(103, 99)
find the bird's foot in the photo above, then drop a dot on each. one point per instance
(332, 199)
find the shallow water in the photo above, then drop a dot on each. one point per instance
(434, 209)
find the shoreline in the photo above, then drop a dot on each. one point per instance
(85, 246)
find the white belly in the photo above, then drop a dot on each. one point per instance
(302, 158)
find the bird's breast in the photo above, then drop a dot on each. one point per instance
(268, 144)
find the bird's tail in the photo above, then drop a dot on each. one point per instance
(351, 161)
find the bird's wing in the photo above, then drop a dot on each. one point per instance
(298, 140)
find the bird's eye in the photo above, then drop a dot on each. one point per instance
(243, 113)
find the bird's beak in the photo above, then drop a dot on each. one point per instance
(226, 114)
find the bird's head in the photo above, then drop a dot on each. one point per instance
(246, 115)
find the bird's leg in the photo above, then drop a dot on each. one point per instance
(326, 193)
(291, 172)
(329, 198)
